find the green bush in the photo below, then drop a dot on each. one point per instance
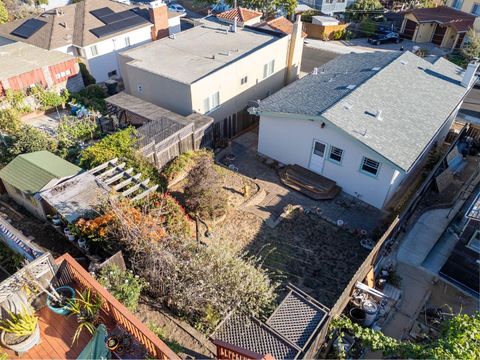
(92, 97)
(9, 120)
(368, 27)
(72, 130)
(87, 78)
(50, 98)
(16, 99)
(183, 162)
(3, 13)
(28, 139)
(122, 284)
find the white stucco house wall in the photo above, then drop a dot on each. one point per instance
(366, 121)
(95, 31)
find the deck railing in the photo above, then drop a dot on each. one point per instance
(70, 270)
(226, 351)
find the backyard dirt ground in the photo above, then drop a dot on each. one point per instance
(303, 249)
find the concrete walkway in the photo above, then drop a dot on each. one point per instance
(423, 236)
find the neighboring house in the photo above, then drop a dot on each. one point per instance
(28, 174)
(213, 69)
(327, 7)
(244, 16)
(52, 4)
(23, 66)
(468, 6)
(280, 24)
(461, 268)
(94, 30)
(366, 121)
(442, 26)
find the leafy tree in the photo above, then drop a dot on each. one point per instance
(459, 339)
(50, 98)
(3, 13)
(92, 97)
(268, 7)
(471, 48)
(9, 120)
(87, 78)
(204, 192)
(361, 9)
(118, 145)
(29, 139)
(368, 27)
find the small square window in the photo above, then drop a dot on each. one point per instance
(370, 166)
(244, 80)
(139, 88)
(336, 154)
(112, 74)
(94, 50)
(68, 72)
(211, 102)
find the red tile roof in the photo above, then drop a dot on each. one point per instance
(282, 24)
(240, 13)
(459, 20)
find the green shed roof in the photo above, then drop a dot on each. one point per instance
(31, 172)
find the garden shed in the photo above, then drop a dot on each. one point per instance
(163, 134)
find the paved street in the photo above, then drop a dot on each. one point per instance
(313, 57)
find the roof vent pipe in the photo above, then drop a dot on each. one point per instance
(469, 75)
(234, 29)
(379, 115)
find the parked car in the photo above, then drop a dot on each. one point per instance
(387, 36)
(177, 7)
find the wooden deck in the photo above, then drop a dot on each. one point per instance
(56, 333)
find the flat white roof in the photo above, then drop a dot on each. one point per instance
(199, 51)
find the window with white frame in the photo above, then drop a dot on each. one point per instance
(268, 68)
(94, 50)
(476, 9)
(457, 4)
(336, 154)
(211, 102)
(474, 242)
(328, 1)
(244, 80)
(370, 166)
(127, 41)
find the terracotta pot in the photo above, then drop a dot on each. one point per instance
(26, 344)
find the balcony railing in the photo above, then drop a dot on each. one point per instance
(71, 271)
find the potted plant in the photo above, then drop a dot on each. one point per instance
(20, 332)
(56, 220)
(112, 343)
(86, 307)
(59, 299)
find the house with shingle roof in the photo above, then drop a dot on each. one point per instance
(95, 30)
(29, 174)
(443, 26)
(366, 121)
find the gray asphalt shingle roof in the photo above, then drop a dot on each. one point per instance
(415, 98)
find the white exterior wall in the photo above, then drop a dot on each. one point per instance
(106, 60)
(234, 96)
(55, 3)
(174, 25)
(290, 141)
(34, 206)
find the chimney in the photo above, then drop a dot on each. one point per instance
(469, 75)
(159, 17)
(295, 51)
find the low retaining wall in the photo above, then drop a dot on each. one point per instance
(322, 32)
(17, 241)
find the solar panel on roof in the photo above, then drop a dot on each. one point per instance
(100, 13)
(117, 26)
(109, 19)
(28, 28)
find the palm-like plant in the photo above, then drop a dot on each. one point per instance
(86, 307)
(21, 324)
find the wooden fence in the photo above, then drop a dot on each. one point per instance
(71, 271)
(322, 32)
(386, 241)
